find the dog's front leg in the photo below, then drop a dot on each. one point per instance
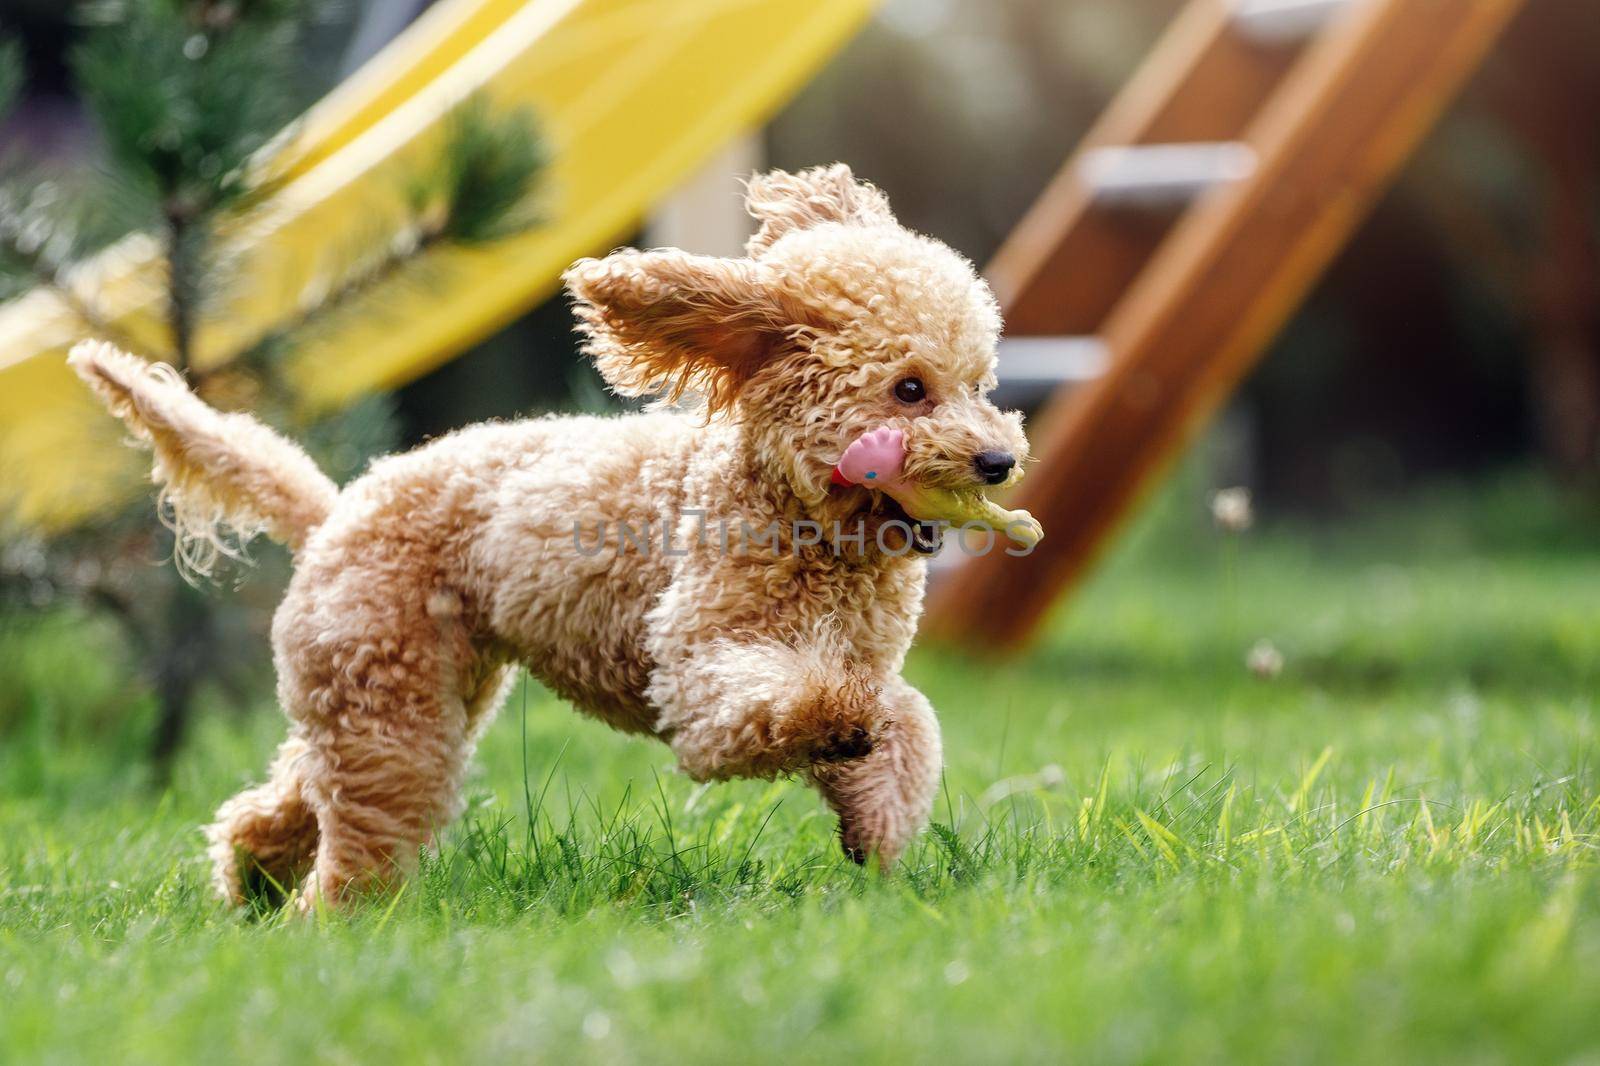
(759, 709)
(883, 800)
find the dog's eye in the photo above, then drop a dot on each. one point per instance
(910, 390)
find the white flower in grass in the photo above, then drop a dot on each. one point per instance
(1231, 509)
(1264, 660)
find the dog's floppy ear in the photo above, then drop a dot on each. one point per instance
(785, 202)
(666, 321)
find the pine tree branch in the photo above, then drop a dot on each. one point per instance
(182, 284)
(475, 195)
(51, 274)
(370, 277)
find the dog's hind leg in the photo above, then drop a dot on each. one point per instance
(382, 793)
(385, 690)
(263, 839)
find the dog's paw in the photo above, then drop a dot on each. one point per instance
(852, 743)
(851, 844)
(840, 722)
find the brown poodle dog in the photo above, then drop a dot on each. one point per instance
(698, 575)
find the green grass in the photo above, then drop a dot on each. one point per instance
(1144, 853)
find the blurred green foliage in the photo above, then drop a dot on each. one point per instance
(188, 97)
(183, 106)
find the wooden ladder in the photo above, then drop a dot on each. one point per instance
(1160, 262)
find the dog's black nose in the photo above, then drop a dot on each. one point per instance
(994, 467)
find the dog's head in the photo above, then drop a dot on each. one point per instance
(838, 321)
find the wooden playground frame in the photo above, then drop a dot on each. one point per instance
(1325, 100)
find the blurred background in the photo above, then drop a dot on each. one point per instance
(1455, 337)
(1456, 333)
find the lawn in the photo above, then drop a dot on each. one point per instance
(1144, 851)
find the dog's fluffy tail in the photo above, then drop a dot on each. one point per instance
(223, 477)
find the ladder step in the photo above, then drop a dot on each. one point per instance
(1162, 175)
(1283, 21)
(1051, 361)
(1031, 369)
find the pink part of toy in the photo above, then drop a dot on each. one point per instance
(875, 460)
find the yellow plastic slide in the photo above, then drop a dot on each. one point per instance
(631, 96)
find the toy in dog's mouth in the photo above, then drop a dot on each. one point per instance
(927, 537)
(877, 461)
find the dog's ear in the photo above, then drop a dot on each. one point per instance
(665, 321)
(785, 202)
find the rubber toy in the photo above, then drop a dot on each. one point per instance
(877, 459)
